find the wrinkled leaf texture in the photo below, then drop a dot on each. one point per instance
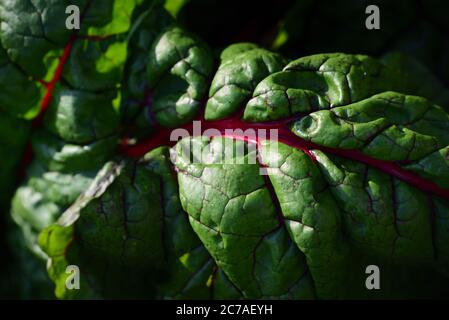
(360, 175)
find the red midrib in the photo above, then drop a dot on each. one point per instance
(286, 136)
(46, 99)
(45, 102)
(162, 137)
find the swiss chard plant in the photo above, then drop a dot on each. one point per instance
(356, 175)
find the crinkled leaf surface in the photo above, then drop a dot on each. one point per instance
(359, 175)
(343, 189)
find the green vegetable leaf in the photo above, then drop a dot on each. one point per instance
(303, 173)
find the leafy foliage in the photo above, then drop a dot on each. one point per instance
(360, 175)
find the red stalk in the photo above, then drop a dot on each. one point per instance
(45, 102)
(162, 137)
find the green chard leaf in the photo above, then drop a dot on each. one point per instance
(358, 174)
(179, 70)
(243, 67)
